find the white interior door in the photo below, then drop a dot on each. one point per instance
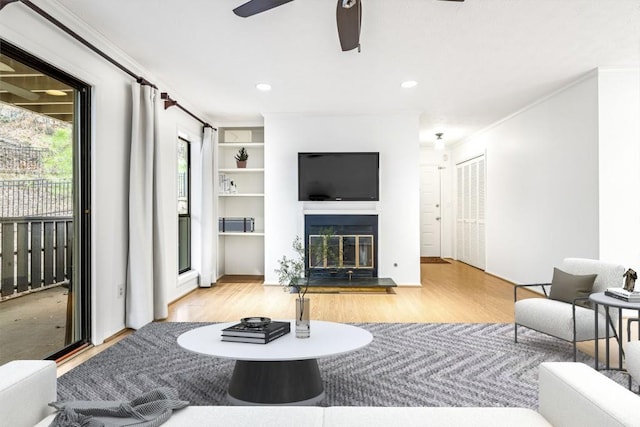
(470, 182)
(430, 211)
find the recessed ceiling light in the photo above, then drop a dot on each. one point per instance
(55, 92)
(263, 87)
(409, 84)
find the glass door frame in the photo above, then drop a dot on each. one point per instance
(81, 273)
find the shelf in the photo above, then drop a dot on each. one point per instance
(240, 144)
(241, 170)
(243, 234)
(240, 252)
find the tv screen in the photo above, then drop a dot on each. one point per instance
(338, 176)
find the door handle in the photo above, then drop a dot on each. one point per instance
(437, 218)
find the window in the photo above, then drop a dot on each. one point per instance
(184, 205)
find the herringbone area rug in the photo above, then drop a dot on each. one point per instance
(407, 364)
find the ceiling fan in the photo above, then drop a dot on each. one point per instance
(348, 17)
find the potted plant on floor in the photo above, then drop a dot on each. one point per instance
(290, 275)
(241, 158)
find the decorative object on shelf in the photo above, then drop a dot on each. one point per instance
(224, 185)
(241, 158)
(630, 277)
(236, 224)
(290, 276)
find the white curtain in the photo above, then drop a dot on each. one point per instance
(146, 295)
(207, 221)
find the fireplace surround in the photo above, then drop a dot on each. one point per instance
(341, 246)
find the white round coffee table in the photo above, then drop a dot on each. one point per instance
(284, 371)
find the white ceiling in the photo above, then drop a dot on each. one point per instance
(475, 62)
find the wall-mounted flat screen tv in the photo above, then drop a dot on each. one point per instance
(338, 176)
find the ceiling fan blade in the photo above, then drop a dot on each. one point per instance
(453, 0)
(3, 3)
(254, 7)
(349, 20)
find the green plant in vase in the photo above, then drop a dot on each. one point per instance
(241, 158)
(290, 275)
(293, 275)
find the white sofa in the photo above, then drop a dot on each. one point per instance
(571, 394)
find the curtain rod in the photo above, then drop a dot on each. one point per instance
(168, 103)
(76, 36)
(139, 79)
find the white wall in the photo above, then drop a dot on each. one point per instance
(395, 136)
(619, 165)
(542, 184)
(111, 95)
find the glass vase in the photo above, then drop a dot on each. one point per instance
(303, 324)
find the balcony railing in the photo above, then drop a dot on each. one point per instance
(35, 252)
(31, 197)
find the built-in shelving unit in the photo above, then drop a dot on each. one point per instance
(240, 193)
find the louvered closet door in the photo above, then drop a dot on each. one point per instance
(470, 192)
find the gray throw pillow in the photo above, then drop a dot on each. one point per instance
(565, 287)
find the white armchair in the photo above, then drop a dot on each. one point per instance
(632, 355)
(568, 321)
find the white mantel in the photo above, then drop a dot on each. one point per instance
(339, 208)
(335, 208)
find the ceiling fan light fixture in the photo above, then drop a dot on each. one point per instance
(5, 67)
(408, 84)
(439, 141)
(55, 92)
(264, 87)
(348, 3)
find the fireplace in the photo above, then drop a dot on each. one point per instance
(341, 246)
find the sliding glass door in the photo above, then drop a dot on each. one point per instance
(44, 208)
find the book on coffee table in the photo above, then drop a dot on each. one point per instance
(255, 340)
(242, 333)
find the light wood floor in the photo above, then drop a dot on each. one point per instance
(452, 292)
(449, 293)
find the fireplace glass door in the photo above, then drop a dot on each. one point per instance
(365, 252)
(344, 251)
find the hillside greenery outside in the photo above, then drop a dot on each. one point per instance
(36, 164)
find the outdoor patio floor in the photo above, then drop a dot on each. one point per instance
(33, 326)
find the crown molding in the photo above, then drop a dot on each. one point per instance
(590, 74)
(75, 23)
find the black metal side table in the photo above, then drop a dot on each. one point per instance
(608, 302)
